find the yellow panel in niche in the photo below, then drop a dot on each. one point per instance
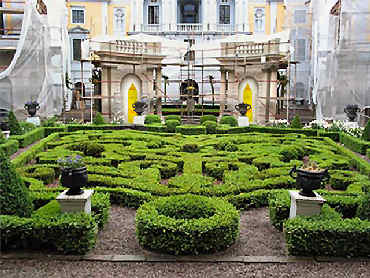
(132, 98)
(247, 98)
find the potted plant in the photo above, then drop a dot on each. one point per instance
(243, 108)
(139, 107)
(351, 111)
(74, 174)
(309, 177)
(32, 107)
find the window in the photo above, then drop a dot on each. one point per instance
(76, 49)
(299, 16)
(78, 16)
(224, 14)
(300, 50)
(153, 14)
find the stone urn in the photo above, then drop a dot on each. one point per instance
(351, 111)
(4, 119)
(309, 180)
(74, 179)
(139, 107)
(243, 108)
(31, 107)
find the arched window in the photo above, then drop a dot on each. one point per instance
(189, 11)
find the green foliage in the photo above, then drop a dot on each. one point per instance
(41, 172)
(229, 120)
(30, 137)
(26, 127)
(191, 129)
(363, 210)
(206, 118)
(98, 119)
(190, 148)
(366, 133)
(341, 179)
(354, 144)
(9, 147)
(2, 138)
(14, 196)
(173, 117)
(327, 235)
(171, 125)
(211, 127)
(14, 127)
(151, 119)
(296, 122)
(50, 122)
(187, 224)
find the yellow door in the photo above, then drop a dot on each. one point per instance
(132, 98)
(247, 98)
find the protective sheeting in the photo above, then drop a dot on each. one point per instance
(341, 57)
(37, 70)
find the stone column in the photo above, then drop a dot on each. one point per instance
(233, 93)
(267, 71)
(223, 92)
(158, 91)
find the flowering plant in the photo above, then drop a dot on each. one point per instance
(71, 162)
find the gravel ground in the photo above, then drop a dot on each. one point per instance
(53, 269)
(257, 236)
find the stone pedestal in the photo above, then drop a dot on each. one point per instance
(75, 203)
(306, 206)
(139, 120)
(243, 121)
(34, 120)
(6, 134)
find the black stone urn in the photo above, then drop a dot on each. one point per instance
(139, 107)
(351, 111)
(243, 108)
(32, 107)
(309, 180)
(4, 119)
(74, 179)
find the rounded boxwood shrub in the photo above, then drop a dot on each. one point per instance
(172, 124)
(207, 118)
(341, 179)
(98, 119)
(151, 119)
(187, 224)
(190, 148)
(229, 120)
(14, 196)
(211, 127)
(363, 210)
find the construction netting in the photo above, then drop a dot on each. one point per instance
(341, 68)
(36, 72)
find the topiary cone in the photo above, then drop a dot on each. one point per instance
(14, 196)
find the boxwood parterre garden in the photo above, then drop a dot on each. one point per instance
(246, 170)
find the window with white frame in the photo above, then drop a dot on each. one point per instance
(225, 14)
(299, 16)
(153, 12)
(78, 15)
(76, 46)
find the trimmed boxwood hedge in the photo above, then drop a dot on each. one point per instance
(30, 137)
(191, 129)
(10, 147)
(187, 224)
(327, 234)
(354, 144)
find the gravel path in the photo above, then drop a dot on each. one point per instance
(257, 236)
(56, 269)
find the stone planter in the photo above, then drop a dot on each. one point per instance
(351, 112)
(309, 180)
(74, 179)
(243, 108)
(139, 107)
(32, 108)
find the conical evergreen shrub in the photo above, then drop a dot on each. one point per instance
(366, 133)
(98, 120)
(14, 126)
(14, 196)
(296, 123)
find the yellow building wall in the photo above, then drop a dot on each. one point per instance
(281, 15)
(251, 8)
(93, 17)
